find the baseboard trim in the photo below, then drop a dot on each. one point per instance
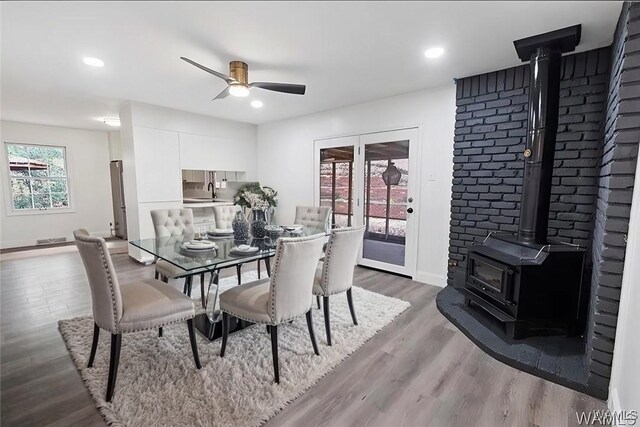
(613, 403)
(431, 279)
(24, 245)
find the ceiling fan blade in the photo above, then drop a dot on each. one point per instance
(209, 70)
(222, 94)
(281, 87)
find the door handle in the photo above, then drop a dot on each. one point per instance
(410, 210)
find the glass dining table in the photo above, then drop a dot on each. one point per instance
(176, 250)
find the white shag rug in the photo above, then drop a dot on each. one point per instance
(158, 383)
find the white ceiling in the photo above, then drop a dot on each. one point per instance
(345, 52)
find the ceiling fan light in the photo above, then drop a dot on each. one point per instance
(238, 90)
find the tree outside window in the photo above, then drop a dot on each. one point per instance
(38, 176)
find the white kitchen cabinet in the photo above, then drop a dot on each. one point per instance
(211, 153)
(157, 160)
(193, 176)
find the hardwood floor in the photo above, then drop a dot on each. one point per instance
(419, 370)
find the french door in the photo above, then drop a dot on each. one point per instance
(370, 180)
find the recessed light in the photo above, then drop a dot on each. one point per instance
(110, 121)
(434, 52)
(93, 62)
(256, 104)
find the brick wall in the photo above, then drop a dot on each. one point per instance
(594, 168)
(616, 178)
(490, 134)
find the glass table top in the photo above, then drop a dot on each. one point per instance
(173, 250)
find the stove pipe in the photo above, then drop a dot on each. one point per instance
(545, 55)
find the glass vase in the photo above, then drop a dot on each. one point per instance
(258, 224)
(240, 227)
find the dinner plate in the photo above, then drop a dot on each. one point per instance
(250, 251)
(294, 227)
(219, 232)
(199, 245)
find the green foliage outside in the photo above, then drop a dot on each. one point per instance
(38, 176)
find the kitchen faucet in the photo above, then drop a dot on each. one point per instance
(212, 187)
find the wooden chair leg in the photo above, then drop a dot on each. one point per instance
(194, 343)
(327, 321)
(268, 329)
(156, 275)
(318, 301)
(259, 269)
(225, 332)
(351, 309)
(267, 265)
(160, 332)
(239, 273)
(311, 334)
(94, 345)
(165, 279)
(116, 342)
(274, 353)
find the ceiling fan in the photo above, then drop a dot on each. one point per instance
(238, 81)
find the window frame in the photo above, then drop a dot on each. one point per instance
(8, 193)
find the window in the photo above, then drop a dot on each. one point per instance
(38, 177)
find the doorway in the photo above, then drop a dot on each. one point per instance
(370, 180)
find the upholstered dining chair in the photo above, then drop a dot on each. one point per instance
(334, 274)
(224, 216)
(175, 222)
(136, 306)
(314, 218)
(279, 299)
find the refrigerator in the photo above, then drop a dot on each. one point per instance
(117, 193)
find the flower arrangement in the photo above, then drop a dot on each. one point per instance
(254, 196)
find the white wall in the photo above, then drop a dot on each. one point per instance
(158, 142)
(285, 161)
(88, 162)
(624, 388)
(115, 147)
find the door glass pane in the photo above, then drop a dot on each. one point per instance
(386, 176)
(336, 184)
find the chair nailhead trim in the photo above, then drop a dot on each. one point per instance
(158, 326)
(99, 244)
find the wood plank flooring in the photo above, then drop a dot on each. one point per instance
(418, 371)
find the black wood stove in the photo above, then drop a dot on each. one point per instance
(531, 284)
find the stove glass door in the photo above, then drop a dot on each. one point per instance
(489, 275)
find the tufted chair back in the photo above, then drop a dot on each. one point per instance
(313, 218)
(172, 222)
(294, 268)
(224, 216)
(340, 259)
(105, 290)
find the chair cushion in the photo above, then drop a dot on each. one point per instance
(150, 304)
(249, 301)
(169, 270)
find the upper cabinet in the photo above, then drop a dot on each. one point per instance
(210, 153)
(194, 176)
(157, 160)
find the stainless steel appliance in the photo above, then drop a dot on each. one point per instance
(117, 194)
